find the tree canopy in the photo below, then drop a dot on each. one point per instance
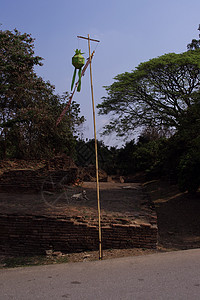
(155, 94)
(195, 44)
(29, 106)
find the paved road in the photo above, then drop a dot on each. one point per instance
(174, 275)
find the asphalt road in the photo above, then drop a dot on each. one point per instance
(172, 275)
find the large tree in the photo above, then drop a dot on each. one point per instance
(17, 77)
(155, 94)
(29, 106)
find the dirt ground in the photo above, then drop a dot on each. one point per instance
(178, 216)
(122, 203)
(177, 213)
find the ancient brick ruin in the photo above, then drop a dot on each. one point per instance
(28, 235)
(33, 230)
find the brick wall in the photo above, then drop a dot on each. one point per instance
(31, 180)
(28, 234)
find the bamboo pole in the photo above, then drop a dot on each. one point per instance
(96, 155)
(82, 37)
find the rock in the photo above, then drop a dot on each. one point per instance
(57, 253)
(49, 252)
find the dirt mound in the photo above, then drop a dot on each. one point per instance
(89, 174)
(20, 164)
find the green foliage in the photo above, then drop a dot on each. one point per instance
(155, 94)
(17, 77)
(29, 107)
(179, 159)
(189, 174)
(125, 161)
(143, 156)
(189, 165)
(195, 44)
(85, 155)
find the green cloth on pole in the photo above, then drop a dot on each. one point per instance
(78, 62)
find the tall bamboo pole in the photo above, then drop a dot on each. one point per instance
(96, 154)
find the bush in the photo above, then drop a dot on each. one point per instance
(189, 172)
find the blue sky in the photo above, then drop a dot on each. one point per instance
(130, 32)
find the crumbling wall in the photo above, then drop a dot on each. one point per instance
(28, 235)
(33, 181)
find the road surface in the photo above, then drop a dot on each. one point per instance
(172, 275)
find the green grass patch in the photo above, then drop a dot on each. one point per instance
(27, 261)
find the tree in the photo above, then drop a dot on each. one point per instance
(85, 153)
(179, 159)
(17, 78)
(29, 106)
(195, 44)
(189, 164)
(155, 94)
